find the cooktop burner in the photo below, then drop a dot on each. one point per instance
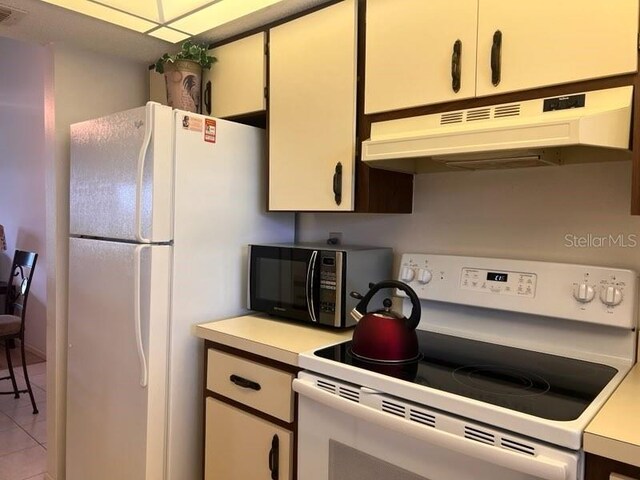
(547, 386)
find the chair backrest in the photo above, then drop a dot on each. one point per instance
(19, 284)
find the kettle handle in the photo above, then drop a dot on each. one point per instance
(414, 318)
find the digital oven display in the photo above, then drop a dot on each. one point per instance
(497, 277)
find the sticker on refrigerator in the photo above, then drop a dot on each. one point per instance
(209, 130)
(192, 123)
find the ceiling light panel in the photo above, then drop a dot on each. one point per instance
(218, 14)
(107, 14)
(142, 8)
(176, 8)
(169, 20)
(169, 35)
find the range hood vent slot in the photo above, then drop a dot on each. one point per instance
(478, 114)
(507, 111)
(449, 118)
(593, 126)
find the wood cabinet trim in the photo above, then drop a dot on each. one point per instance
(292, 426)
(250, 356)
(600, 468)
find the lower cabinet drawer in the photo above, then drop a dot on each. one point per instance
(264, 388)
(240, 446)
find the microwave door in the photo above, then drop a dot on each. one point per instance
(283, 281)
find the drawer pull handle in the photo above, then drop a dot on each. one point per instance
(274, 458)
(244, 383)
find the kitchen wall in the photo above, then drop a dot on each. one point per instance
(81, 85)
(525, 213)
(22, 172)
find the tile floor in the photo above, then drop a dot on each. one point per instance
(23, 435)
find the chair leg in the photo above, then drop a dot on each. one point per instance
(26, 377)
(10, 365)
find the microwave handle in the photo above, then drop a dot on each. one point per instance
(538, 467)
(311, 273)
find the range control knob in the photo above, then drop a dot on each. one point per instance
(424, 276)
(407, 274)
(583, 292)
(611, 295)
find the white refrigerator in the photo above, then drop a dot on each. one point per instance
(162, 206)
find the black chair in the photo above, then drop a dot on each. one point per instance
(13, 321)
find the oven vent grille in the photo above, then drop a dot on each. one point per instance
(422, 417)
(326, 386)
(517, 446)
(479, 435)
(349, 393)
(393, 408)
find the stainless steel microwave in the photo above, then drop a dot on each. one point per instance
(311, 283)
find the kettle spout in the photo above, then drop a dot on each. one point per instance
(356, 315)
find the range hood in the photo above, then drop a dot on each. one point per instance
(576, 128)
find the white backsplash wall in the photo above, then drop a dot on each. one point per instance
(521, 213)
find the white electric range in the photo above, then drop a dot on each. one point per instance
(517, 357)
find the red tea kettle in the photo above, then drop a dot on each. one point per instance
(385, 336)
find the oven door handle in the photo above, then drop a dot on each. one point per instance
(539, 466)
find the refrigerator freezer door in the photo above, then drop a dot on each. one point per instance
(220, 197)
(116, 427)
(121, 176)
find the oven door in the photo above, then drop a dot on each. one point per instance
(285, 281)
(351, 433)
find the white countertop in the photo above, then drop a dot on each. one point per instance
(263, 335)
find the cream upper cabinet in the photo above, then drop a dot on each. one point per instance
(235, 85)
(157, 87)
(413, 57)
(419, 52)
(312, 101)
(523, 45)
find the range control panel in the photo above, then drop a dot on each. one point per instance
(586, 293)
(499, 282)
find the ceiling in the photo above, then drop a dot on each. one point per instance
(45, 23)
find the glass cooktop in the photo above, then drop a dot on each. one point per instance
(547, 386)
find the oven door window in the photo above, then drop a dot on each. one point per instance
(281, 281)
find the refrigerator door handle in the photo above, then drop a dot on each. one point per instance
(140, 174)
(137, 314)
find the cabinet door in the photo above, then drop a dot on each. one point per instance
(412, 54)
(235, 84)
(312, 99)
(239, 446)
(547, 42)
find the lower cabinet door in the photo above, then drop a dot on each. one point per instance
(240, 446)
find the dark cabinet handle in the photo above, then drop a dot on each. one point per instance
(337, 184)
(456, 66)
(496, 58)
(274, 458)
(207, 97)
(244, 383)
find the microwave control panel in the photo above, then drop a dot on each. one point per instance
(499, 282)
(330, 265)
